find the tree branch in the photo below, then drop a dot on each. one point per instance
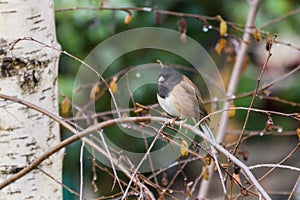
(254, 5)
(112, 122)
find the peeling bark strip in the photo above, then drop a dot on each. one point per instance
(28, 71)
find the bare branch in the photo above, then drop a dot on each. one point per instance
(108, 123)
(254, 5)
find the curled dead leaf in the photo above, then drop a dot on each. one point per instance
(188, 189)
(269, 124)
(65, 106)
(128, 18)
(222, 26)
(220, 45)
(232, 110)
(182, 27)
(184, 149)
(158, 18)
(208, 159)
(113, 84)
(164, 179)
(237, 178)
(298, 133)
(269, 43)
(256, 35)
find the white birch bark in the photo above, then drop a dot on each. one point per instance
(28, 72)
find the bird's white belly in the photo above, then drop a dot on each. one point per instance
(168, 107)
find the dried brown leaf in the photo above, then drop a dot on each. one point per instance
(256, 35)
(237, 178)
(164, 179)
(128, 19)
(222, 26)
(65, 106)
(208, 159)
(158, 18)
(232, 110)
(298, 133)
(182, 27)
(269, 124)
(220, 45)
(188, 189)
(184, 149)
(113, 84)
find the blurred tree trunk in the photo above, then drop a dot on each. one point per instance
(28, 72)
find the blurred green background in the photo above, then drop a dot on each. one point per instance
(80, 31)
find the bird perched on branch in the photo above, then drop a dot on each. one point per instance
(180, 97)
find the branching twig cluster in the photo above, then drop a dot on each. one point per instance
(161, 183)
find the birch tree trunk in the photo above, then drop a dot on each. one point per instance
(28, 72)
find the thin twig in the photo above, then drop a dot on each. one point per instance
(266, 86)
(288, 45)
(59, 146)
(133, 175)
(276, 166)
(204, 19)
(294, 188)
(259, 132)
(100, 132)
(271, 170)
(254, 96)
(81, 170)
(280, 18)
(277, 99)
(144, 9)
(149, 158)
(263, 88)
(13, 43)
(58, 182)
(254, 5)
(108, 123)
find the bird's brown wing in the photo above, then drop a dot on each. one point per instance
(192, 89)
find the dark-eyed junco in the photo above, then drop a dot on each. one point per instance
(178, 95)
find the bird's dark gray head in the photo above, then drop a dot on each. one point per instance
(167, 79)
